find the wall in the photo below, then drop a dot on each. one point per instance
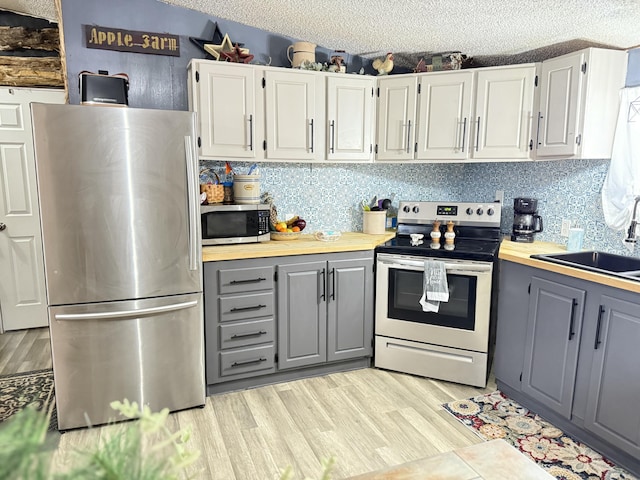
(159, 81)
(328, 196)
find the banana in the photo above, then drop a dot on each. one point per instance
(292, 220)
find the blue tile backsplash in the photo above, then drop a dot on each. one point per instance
(328, 196)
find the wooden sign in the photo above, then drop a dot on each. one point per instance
(106, 38)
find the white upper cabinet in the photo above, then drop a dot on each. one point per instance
(579, 100)
(396, 117)
(503, 114)
(294, 115)
(349, 121)
(228, 100)
(445, 115)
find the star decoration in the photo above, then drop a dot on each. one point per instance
(216, 39)
(224, 47)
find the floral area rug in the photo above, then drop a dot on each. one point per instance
(22, 389)
(495, 416)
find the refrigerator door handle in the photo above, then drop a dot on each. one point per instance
(126, 313)
(193, 212)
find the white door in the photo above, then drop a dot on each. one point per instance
(229, 106)
(23, 302)
(396, 117)
(294, 115)
(560, 93)
(504, 108)
(349, 121)
(444, 115)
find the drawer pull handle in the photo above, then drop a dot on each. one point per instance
(249, 362)
(598, 327)
(253, 334)
(574, 304)
(244, 309)
(251, 280)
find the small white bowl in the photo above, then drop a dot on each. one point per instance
(328, 236)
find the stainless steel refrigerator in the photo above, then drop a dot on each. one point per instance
(122, 257)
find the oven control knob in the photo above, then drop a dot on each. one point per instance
(479, 211)
(490, 211)
(407, 209)
(469, 211)
(416, 209)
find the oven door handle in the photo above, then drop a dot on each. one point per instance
(451, 267)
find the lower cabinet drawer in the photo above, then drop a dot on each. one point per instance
(242, 334)
(248, 360)
(240, 307)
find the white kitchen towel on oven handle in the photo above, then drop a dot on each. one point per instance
(435, 288)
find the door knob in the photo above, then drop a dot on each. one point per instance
(2, 227)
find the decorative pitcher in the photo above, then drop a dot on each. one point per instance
(301, 51)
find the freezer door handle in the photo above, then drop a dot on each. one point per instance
(142, 312)
(193, 211)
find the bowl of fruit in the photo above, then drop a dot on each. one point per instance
(288, 229)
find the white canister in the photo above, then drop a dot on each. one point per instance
(246, 189)
(301, 51)
(374, 221)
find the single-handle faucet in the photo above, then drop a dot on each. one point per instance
(631, 233)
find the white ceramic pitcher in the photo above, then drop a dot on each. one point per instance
(301, 51)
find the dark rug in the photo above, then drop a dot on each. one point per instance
(28, 388)
(494, 415)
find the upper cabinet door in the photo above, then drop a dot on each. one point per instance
(397, 117)
(229, 113)
(350, 103)
(294, 115)
(560, 92)
(504, 108)
(444, 115)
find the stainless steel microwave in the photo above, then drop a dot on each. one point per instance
(229, 224)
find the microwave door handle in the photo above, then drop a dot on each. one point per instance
(189, 147)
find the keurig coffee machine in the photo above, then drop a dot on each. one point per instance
(526, 221)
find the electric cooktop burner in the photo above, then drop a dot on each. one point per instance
(476, 227)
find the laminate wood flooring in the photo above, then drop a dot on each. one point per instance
(367, 420)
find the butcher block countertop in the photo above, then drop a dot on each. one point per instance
(519, 252)
(306, 244)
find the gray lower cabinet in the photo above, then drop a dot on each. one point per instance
(613, 399)
(551, 345)
(567, 349)
(281, 318)
(325, 311)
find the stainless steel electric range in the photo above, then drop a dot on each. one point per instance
(454, 343)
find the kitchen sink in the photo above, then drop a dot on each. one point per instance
(601, 262)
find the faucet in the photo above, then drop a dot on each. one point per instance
(631, 233)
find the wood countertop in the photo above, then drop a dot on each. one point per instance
(306, 244)
(519, 252)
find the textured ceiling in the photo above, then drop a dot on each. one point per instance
(373, 27)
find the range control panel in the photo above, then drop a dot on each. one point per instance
(461, 213)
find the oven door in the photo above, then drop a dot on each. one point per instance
(462, 322)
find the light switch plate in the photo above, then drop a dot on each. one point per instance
(564, 230)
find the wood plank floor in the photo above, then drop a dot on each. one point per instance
(367, 419)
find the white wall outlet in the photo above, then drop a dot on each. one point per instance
(564, 230)
(500, 196)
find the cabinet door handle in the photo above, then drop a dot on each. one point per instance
(333, 283)
(408, 136)
(324, 286)
(311, 123)
(251, 280)
(598, 327)
(478, 134)
(574, 304)
(252, 334)
(245, 309)
(251, 132)
(464, 132)
(333, 136)
(538, 142)
(249, 362)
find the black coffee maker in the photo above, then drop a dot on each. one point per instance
(526, 221)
